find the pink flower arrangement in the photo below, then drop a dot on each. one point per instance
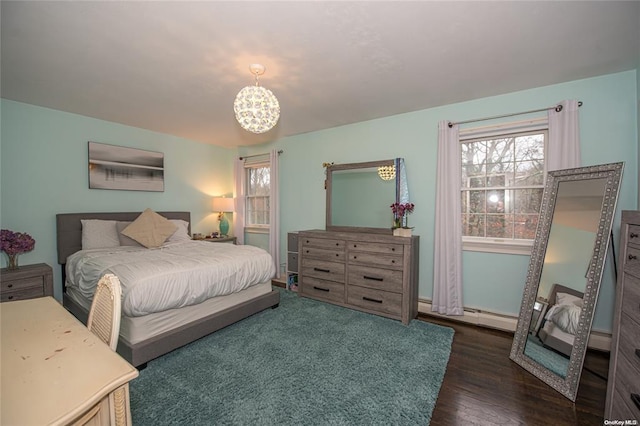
(14, 243)
(399, 212)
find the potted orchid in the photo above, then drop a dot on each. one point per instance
(400, 219)
(14, 244)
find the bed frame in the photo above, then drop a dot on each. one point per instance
(547, 339)
(69, 241)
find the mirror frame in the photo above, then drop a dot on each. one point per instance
(355, 166)
(567, 386)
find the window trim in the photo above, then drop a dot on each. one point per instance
(499, 245)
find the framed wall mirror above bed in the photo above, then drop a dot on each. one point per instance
(359, 195)
(565, 270)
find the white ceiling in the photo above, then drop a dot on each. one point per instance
(175, 67)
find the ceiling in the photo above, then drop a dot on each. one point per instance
(176, 67)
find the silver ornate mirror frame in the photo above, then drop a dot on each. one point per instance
(568, 385)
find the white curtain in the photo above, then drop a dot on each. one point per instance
(564, 137)
(447, 268)
(274, 210)
(238, 196)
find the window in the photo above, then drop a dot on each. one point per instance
(257, 200)
(503, 177)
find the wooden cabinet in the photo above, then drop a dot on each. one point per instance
(26, 282)
(623, 386)
(374, 273)
(292, 261)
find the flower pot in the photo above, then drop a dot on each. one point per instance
(402, 232)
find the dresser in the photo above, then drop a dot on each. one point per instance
(623, 385)
(374, 273)
(26, 282)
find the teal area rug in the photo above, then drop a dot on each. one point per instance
(546, 357)
(303, 363)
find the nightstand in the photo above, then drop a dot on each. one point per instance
(26, 282)
(233, 240)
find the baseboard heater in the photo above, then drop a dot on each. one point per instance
(597, 340)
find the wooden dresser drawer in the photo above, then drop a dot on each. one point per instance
(381, 279)
(326, 243)
(375, 259)
(632, 261)
(633, 235)
(331, 271)
(624, 408)
(331, 255)
(629, 342)
(330, 291)
(376, 248)
(631, 297)
(627, 383)
(375, 300)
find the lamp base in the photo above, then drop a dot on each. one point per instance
(224, 227)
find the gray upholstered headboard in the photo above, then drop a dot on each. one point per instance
(559, 288)
(69, 228)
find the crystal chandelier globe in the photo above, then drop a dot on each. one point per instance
(257, 109)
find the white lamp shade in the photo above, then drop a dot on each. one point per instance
(222, 204)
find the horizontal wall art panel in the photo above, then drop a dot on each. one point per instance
(130, 169)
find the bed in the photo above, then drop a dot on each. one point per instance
(153, 330)
(561, 319)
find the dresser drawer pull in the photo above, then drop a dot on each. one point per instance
(633, 235)
(10, 297)
(321, 270)
(321, 289)
(368, 299)
(638, 353)
(10, 285)
(366, 277)
(636, 399)
(632, 257)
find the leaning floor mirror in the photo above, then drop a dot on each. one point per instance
(565, 270)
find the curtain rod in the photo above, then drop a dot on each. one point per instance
(558, 108)
(257, 155)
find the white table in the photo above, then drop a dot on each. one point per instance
(53, 369)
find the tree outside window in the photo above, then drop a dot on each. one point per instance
(502, 184)
(257, 201)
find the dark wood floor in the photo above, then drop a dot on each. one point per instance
(482, 386)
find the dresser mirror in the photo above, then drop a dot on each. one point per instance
(359, 195)
(565, 270)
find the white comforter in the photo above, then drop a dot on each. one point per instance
(172, 276)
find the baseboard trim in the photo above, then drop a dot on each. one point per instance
(597, 340)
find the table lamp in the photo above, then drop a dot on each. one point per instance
(222, 205)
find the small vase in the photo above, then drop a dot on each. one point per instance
(13, 261)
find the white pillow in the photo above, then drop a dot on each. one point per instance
(568, 299)
(182, 233)
(99, 234)
(566, 317)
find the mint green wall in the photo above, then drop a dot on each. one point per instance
(495, 282)
(45, 172)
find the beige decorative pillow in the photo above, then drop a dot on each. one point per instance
(150, 229)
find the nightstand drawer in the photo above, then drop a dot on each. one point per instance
(375, 300)
(20, 284)
(21, 294)
(381, 279)
(26, 282)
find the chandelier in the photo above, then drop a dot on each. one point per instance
(387, 172)
(257, 109)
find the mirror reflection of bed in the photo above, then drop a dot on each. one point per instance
(552, 335)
